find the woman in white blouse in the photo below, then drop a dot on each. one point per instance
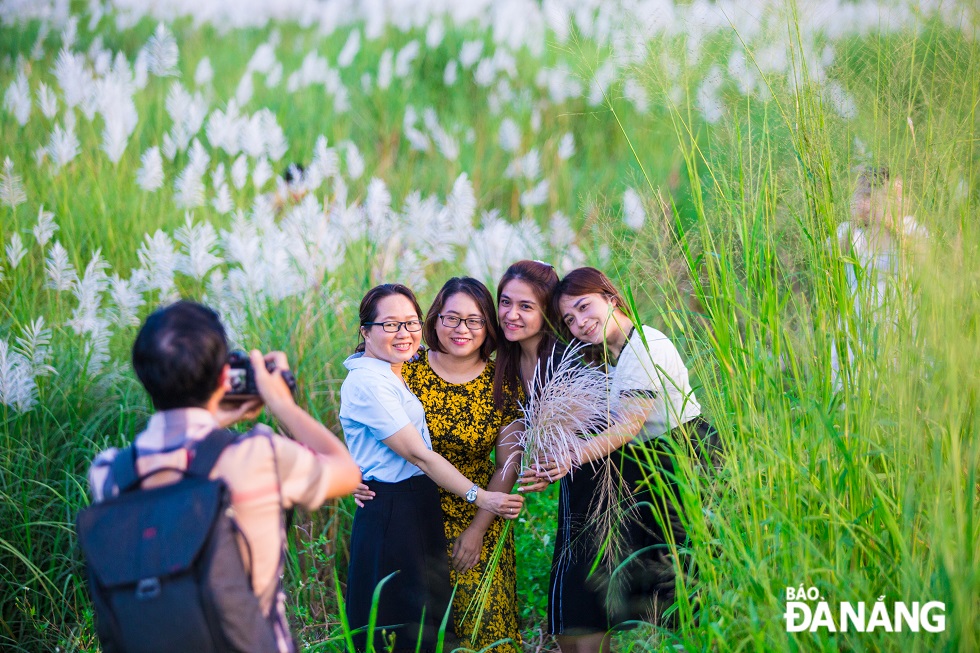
(400, 532)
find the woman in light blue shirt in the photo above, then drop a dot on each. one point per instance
(401, 530)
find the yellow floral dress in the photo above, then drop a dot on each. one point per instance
(464, 426)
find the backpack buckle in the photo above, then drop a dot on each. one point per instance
(148, 588)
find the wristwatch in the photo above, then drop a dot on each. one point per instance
(471, 494)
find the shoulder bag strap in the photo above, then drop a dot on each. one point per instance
(122, 472)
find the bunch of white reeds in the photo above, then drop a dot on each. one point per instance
(568, 401)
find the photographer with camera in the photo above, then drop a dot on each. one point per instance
(143, 598)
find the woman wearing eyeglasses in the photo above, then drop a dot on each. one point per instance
(454, 381)
(401, 529)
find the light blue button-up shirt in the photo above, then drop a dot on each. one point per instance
(374, 404)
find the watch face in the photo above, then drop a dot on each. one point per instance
(471, 495)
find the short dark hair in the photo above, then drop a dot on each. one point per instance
(178, 355)
(480, 294)
(368, 312)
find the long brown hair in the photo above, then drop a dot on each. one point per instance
(586, 281)
(480, 294)
(368, 312)
(507, 375)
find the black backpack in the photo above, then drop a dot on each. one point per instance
(164, 568)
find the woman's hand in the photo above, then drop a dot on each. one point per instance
(361, 494)
(504, 505)
(540, 476)
(467, 548)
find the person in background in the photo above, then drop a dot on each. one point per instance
(401, 528)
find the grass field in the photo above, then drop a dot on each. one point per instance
(702, 155)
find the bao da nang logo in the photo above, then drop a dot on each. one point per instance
(807, 610)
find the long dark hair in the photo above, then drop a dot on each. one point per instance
(368, 311)
(480, 294)
(586, 281)
(507, 375)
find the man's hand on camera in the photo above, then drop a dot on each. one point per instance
(232, 412)
(272, 388)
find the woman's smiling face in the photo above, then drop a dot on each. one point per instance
(461, 340)
(396, 347)
(587, 316)
(520, 314)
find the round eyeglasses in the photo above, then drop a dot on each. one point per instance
(472, 323)
(394, 327)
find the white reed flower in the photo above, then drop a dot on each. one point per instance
(275, 139)
(96, 349)
(634, 215)
(351, 47)
(15, 250)
(169, 147)
(251, 137)
(159, 260)
(708, 95)
(470, 53)
(45, 227)
(204, 73)
(377, 207)
(497, 243)
(73, 77)
(198, 241)
(59, 269)
(11, 185)
(245, 89)
(325, 163)
(405, 58)
(223, 202)
(126, 299)
(162, 54)
(17, 99)
(274, 77)
(263, 59)
(239, 172)
(535, 196)
(188, 113)
(602, 79)
(416, 138)
(451, 73)
(447, 145)
(435, 33)
(509, 135)
(224, 128)
(634, 91)
(840, 100)
(461, 203)
(566, 146)
(385, 69)
(17, 387)
(88, 291)
(261, 174)
(34, 344)
(141, 70)
(150, 175)
(47, 100)
(355, 163)
(189, 186)
(63, 146)
(119, 115)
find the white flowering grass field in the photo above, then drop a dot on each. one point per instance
(702, 154)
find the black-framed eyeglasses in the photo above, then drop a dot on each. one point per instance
(394, 327)
(472, 323)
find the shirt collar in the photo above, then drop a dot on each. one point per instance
(359, 361)
(170, 429)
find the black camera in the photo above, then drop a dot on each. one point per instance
(242, 376)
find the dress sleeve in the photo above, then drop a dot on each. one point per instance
(379, 408)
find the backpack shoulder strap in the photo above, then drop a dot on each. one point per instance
(122, 472)
(208, 450)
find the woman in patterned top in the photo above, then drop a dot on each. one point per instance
(454, 382)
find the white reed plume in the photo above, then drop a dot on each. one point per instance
(45, 227)
(11, 185)
(188, 113)
(385, 69)
(708, 96)
(535, 196)
(224, 128)
(405, 58)
(245, 89)
(634, 215)
(59, 269)
(351, 47)
(451, 73)
(150, 175)
(17, 387)
(509, 135)
(275, 139)
(325, 163)
(497, 242)
(566, 146)
(63, 146)
(204, 73)
(126, 299)
(527, 166)
(198, 241)
(261, 174)
(239, 171)
(88, 291)
(15, 250)
(162, 54)
(159, 259)
(470, 53)
(47, 101)
(17, 99)
(96, 349)
(118, 111)
(634, 91)
(377, 209)
(73, 77)
(355, 163)
(567, 402)
(416, 138)
(447, 145)
(34, 344)
(461, 203)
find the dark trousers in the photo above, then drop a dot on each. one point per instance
(400, 532)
